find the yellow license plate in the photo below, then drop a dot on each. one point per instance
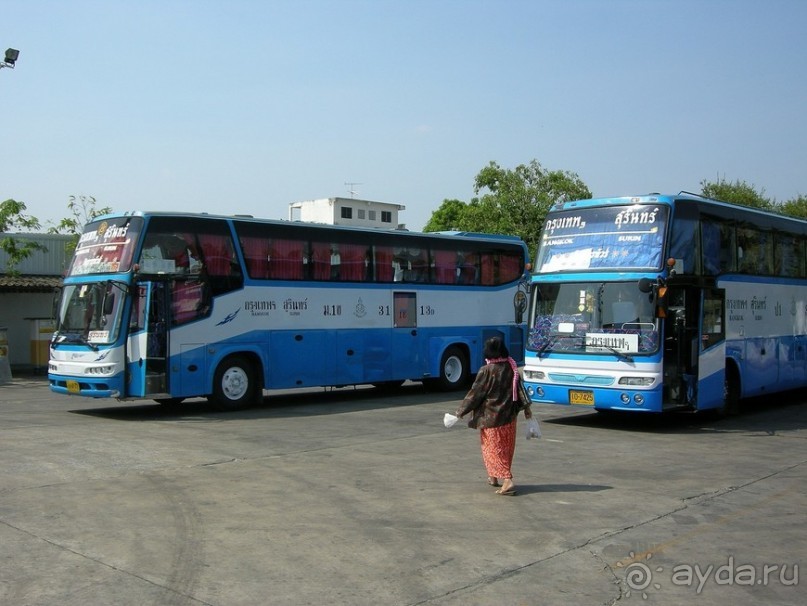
(73, 387)
(586, 398)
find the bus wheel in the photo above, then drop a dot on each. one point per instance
(453, 370)
(234, 384)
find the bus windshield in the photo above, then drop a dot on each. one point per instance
(592, 317)
(106, 246)
(605, 238)
(90, 313)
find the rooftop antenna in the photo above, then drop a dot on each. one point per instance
(352, 188)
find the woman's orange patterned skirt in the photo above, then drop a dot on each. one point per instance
(498, 446)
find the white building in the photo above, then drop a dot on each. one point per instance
(347, 211)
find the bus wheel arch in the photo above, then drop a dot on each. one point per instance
(237, 382)
(454, 368)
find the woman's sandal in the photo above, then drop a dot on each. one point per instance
(493, 481)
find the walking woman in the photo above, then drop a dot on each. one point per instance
(490, 402)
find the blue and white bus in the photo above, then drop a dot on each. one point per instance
(664, 302)
(168, 306)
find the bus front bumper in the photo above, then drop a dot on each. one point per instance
(100, 387)
(631, 400)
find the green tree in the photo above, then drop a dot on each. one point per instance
(797, 207)
(13, 218)
(82, 211)
(449, 217)
(738, 192)
(513, 202)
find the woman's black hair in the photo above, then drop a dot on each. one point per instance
(495, 348)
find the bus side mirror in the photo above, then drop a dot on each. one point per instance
(661, 302)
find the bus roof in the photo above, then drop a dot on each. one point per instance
(762, 218)
(447, 235)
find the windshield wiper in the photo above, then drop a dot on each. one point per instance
(549, 343)
(619, 354)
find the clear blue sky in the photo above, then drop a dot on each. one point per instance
(243, 106)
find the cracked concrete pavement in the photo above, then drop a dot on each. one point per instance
(360, 497)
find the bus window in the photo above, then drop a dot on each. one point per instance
(286, 259)
(788, 256)
(383, 264)
(256, 254)
(467, 268)
(320, 262)
(510, 267)
(747, 250)
(445, 266)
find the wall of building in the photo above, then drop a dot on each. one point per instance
(17, 313)
(329, 212)
(23, 314)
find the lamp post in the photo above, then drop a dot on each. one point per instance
(11, 58)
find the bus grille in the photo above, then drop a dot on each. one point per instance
(594, 380)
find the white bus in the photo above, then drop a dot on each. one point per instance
(657, 303)
(168, 306)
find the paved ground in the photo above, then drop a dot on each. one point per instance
(356, 497)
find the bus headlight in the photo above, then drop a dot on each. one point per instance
(636, 381)
(100, 371)
(534, 375)
(638, 398)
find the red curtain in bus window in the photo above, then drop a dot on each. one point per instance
(509, 268)
(256, 252)
(286, 261)
(353, 265)
(186, 301)
(488, 269)
(383, 264)
(445, 266)
(218, 254)
(321, 259)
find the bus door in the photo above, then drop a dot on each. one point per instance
(148, 341)
(681, 347)
(712, 350)
(694, 348)
(405, 356)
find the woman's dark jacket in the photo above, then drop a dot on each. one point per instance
(490, 398)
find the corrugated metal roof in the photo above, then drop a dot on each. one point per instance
(52, 262)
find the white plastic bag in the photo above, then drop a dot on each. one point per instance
(533, 429)
(450, 420)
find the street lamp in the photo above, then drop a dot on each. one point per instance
(11, 58)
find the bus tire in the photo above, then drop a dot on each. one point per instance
(234, 384)
(454, 371)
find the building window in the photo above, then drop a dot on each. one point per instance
(347, 212)
(371, 215)
(386, 216)
(360, 213)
